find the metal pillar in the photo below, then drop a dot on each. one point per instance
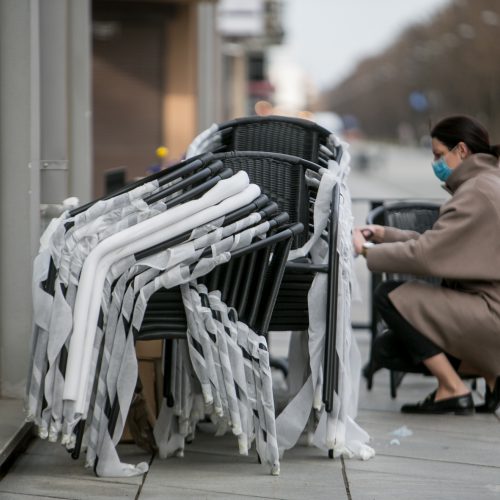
(80, 100)
(53, 102)
(39, 124)
(209, 66)
(18, 186)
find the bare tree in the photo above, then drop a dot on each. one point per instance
(445, 66)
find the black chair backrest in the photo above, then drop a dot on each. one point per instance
(417, 216)
(281, 179)
(411, 215)
(278, 134)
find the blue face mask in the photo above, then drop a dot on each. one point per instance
(441, 169)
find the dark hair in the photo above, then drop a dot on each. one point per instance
(454, 129)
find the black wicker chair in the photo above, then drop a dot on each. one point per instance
(411, 215)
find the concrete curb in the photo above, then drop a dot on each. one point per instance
(15, 446)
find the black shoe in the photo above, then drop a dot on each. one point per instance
(491, 399)
(459, 405)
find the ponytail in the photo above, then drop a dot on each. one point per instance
(495, 150)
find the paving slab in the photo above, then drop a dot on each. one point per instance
(400, 478)
(65, 465)
(481, 428)
(26, 481)
(46, 469)
(210, 470)
(20, 496)
(468, 440)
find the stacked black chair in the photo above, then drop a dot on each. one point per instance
(262, 263)
(286, 184)
(267, 292)
(299, 145)
(283, 179)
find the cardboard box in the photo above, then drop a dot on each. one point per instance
(149, 356)
(149, 349)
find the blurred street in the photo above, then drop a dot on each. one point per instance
(392, 171)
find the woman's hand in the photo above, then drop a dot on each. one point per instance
(373, 232)
(357, 240)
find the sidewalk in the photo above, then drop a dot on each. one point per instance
(446, 457)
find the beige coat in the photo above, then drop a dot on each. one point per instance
(463, 248)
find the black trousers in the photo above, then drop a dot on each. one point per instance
(416, 344)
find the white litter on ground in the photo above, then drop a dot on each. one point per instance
(402, 432)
